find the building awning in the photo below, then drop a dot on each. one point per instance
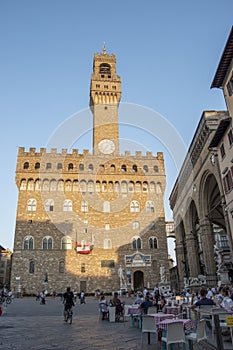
(221, 129)
(224, 63)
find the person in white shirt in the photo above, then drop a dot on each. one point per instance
(209, 294)
(227, 302)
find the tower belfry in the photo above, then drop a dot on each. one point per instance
(105, 95)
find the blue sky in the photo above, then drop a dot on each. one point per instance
(167, 54)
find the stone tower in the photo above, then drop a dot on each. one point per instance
(91, 220)
(105, 95)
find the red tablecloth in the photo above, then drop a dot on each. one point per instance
(172, 310)
(134, 311)
(188, 324)
(160, 317)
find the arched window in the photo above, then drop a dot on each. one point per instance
(23, 185)
(37, 165)
(110, 186)
(68, 185)
(75, 186)
(150, 207)
(156, 169)
(138, 187)
(66, 243)
(67, 205)
(47, 243)
(145, 168)
(107, 243)
(158, 188)
(97, 186)
(123, 187)
(90, 168)
(104, 186)
(28, 243)
(30, 184)
(131, 187)
(123, 168)
(61, 266)
(152, 186)
(112, 168)
(106, 207)
(60, 185)
(145, 187)
(31, 266)
(81, 167)
(37, 185)
(136, 225)
(26, 165)
(135, 168)
(136, 243)
(31, 206)
(153, 243)
(59, 166)
(83, 186)
(48, 166)
(53, 185)
(45, 185)
(90, 186)
(134, 207)
(70, 166)
(84, 207)
(49, 205)
(117, 187)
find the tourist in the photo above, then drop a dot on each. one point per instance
(146, 304)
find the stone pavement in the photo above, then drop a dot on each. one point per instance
(27, 325)
(31, 326)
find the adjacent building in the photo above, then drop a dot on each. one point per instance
(5, 267)
(201, 198)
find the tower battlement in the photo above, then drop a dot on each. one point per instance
(32, 152)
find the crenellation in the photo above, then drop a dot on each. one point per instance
(138, 154)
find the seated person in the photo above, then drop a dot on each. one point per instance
(117, 303)
(162, 304)
(103, 307)
(146, 304)
(204, 301)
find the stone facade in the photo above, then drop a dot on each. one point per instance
(91, 220)
(5, 266)
(201, 199)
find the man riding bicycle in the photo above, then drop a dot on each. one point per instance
(68, 301)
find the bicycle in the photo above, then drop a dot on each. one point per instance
(69, 315)
(7, 300)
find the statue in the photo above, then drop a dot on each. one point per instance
(121, 277)
(218, 258)
(162, 274)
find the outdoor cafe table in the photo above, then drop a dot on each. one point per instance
(161, 316)
(135, 312)
(172, 310)
(188, 323)
(158, 318)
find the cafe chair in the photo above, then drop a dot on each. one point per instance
(174, 334)
(126, 311)
(197, 336)
(148, 326)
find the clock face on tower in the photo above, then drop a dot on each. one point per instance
(106, 146)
